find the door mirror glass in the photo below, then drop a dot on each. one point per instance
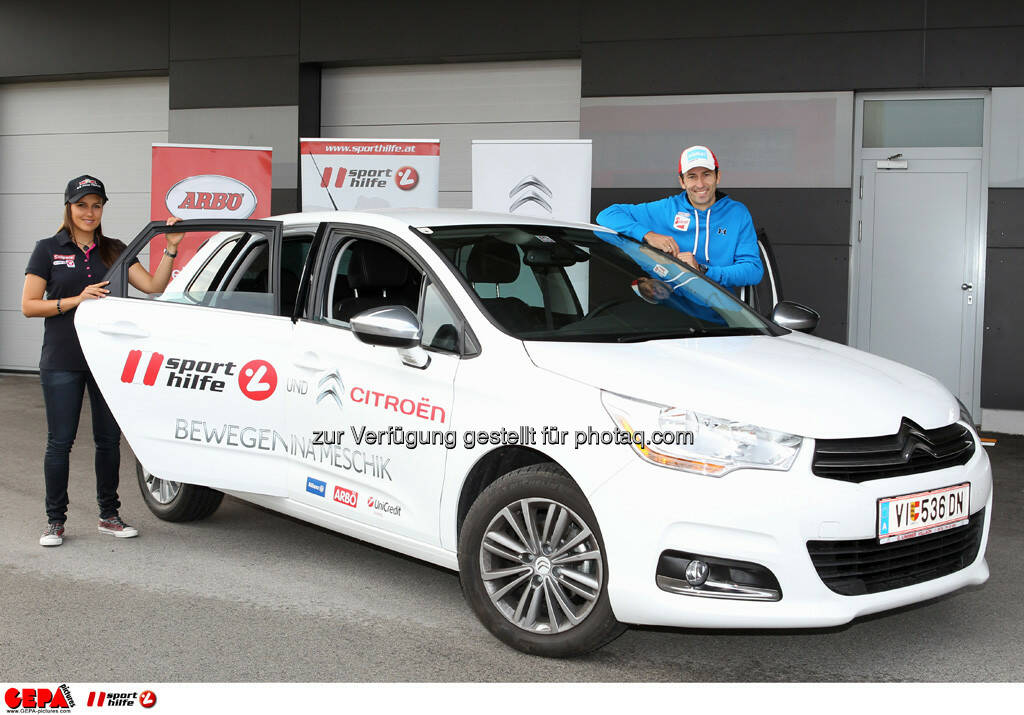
(795, 316)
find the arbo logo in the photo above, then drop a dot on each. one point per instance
(210, 196)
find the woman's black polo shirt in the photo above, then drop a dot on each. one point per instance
(67, 270)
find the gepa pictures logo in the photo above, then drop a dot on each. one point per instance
(211, 196)
(39, 698)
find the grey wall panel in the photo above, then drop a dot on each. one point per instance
(1006, 167)
(1006, 219)
(652, 19)
(981, 57)
(284, 201)
(818, 276)
(235, 82)
(1001, 383)
(783, 63)
(62, 38)
(808, 229)
(453, 93)
(275, 127)
(38, 164)
(776, 64)
(257, 28)
(412, 31)
(800, 216)
(35, 216)
(21, 341)
(12, 277)
(128, 104)
(956, 13)
(765, 139)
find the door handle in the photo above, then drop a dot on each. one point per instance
(124, 327)
(309, 361)
(967, 286)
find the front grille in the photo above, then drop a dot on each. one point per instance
(912, 450)
(854, 568)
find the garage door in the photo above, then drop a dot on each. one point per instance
(49, 133)
(455, 103)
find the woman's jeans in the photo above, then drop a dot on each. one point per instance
(62, 393)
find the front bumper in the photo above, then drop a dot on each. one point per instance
(766, 518)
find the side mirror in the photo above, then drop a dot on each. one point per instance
(393, 326)
(795, 316)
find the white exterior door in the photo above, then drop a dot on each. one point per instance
(918, 243)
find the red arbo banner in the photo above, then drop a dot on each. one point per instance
(198, 181)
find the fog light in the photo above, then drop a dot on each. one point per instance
(697, 573)
(707, 576)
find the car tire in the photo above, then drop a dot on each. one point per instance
(175, 501)
(517, 579)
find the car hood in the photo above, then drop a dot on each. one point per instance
(795, 383)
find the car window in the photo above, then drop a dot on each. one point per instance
(518, 275)
(367, 274)
(440, 327)
(233, 274)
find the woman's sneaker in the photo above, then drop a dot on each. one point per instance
(54, 534)
(114, 525)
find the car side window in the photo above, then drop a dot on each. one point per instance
(367, 274)
(234, 274)
(440, 328)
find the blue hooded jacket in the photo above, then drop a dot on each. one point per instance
(721, 237)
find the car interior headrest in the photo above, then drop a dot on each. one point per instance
(374, 265)
(493, 261)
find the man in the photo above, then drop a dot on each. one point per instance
(702, 227)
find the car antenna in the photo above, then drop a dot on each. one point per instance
(322, 182)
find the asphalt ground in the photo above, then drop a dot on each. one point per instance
(249, 595)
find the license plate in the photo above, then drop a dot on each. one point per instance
(911, 515)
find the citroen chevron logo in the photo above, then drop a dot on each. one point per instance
(530, 190)
(912, 438)
(330, 387)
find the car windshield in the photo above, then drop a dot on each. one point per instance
(569, 284)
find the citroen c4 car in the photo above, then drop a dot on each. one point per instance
(590, 433)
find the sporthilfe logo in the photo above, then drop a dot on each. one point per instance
(406, 178)
(257, 380)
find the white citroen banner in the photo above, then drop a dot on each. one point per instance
(542, 178)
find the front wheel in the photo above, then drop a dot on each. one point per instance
(532, 565)
(175, 501)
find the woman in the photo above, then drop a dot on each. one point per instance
(67, 267)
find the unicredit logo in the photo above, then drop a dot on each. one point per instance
(210, 196)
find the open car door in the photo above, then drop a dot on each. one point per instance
(764, 296)
(192, 374)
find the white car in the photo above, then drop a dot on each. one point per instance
(589, 432)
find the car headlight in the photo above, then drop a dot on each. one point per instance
(693, 442)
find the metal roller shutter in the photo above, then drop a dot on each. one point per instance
(456, 103)
(49, 133)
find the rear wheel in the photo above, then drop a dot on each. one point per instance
(175, 501)
(532, 565)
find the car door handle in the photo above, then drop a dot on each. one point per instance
(124, 327)
(309, 361)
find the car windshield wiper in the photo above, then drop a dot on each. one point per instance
(688, 333)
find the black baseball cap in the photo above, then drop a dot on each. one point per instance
(83, 186)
